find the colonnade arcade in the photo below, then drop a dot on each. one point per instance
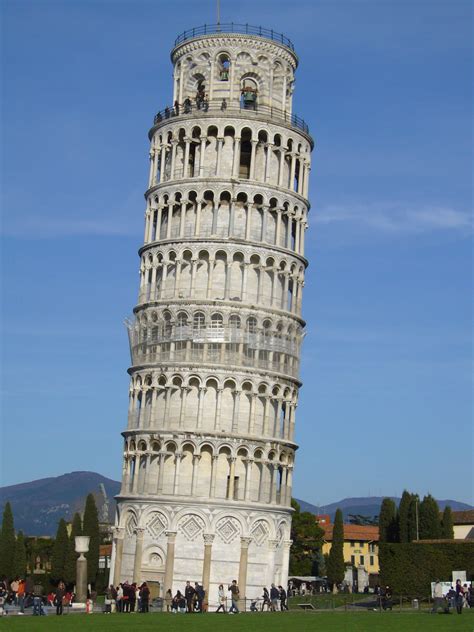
(230, 152)
(213, 469)
(204, 272)
(219, 404)
(220, 214)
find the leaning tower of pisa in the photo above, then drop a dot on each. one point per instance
(216, 334)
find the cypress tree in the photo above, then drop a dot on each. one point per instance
(447, 530)
(90, 527)
(335, 565)
(403, 513)
(7, 543)
(412, 521)
(60, 553)
(388, 521)
(19, 559)
(430, 525)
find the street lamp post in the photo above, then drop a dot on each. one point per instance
(81, 546)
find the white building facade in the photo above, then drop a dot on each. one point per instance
(215, 337)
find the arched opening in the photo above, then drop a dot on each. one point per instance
(223, 65)
(249, 94)
(245, 153)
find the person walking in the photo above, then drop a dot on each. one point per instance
(274, 596)
(144, 597)
(168, 600)
(437, 597)
(235, 595)
(221, 598)
(459, 596)
(59, 597)
(199, 591)
(283, 597)
(266, 599)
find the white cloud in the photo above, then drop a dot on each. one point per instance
(396, 218)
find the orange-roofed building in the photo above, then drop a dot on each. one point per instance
(361, 545)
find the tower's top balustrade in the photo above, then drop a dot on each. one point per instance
(232, 27)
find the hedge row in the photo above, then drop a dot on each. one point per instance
(410, 568)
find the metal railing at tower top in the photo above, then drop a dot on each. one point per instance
(217, 106)
(232, 27)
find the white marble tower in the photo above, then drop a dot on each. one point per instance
(215, 337)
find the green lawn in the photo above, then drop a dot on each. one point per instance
(272, 622)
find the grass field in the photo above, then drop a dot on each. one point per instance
(261, 622)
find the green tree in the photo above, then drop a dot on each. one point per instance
(60, 552)
(319, 564)
(335, 565)
(403, 517)
(388, 526)
(447, 530)
(307, 538)
(90, 527)
(19, 559)
(429, 522)
(70, 567)
(413, 518)
(7, 543)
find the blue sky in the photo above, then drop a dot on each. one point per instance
(386, 88)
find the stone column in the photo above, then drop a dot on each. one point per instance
(169, 565)
(292, 172)
(218, 408)
(174, 145)
(210, 277)
(248, 221)
(202, 155)
(137, 565)
(182, 219)
(289, 484)
(236, 160)
(158, 223)
(206, 569)
(194, 482)
(235, 416)
(163, 162)
(202, 392)
(178, 456)
(268, 147)
(81, 579)
(151, 179)
(220, 141)
(118, 534)
(280, 167)
(230, 490)
(186, 157)
(212, 491)
(243, 563)
(252, 159)
(248, 479)
(278, 226)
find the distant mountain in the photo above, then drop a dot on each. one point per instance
(39, 505)
(368, 506)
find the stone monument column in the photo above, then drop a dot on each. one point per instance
(137, 567)
(118, 535)
(206, 569)
(169, 568)
(243, 563)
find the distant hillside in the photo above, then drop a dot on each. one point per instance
(367, 506)
(39, 505)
